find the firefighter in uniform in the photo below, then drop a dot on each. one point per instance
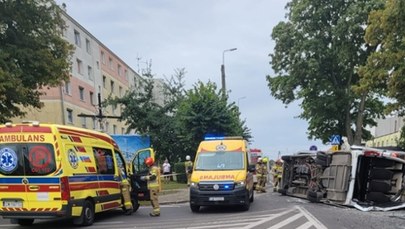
(259, 174)
(153, 179)
(265, 171)
(277, 174)
(189, 168)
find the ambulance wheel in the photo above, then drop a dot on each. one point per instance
(87, 217)
(252, 197)
(24, 222)
(194, 208)
(135, 205)
(246, 206)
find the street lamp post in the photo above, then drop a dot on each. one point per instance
(223, 70)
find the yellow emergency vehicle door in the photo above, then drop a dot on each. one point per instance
(138, 169)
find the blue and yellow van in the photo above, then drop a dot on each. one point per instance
(221, 174)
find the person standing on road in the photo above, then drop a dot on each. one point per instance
(277, 174)
(264, 171)
(259, 175)
(153, 185)
(189, 169)
(166, 171)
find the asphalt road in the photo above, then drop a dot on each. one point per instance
(269, 210)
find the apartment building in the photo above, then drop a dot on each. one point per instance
(96, 74)
(387, 132)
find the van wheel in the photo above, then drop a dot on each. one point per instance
(194, 208)
(246, 206)
(87, 217)
(23, 222)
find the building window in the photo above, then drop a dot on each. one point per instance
(77, 39)
(104, 81)
(110, 63)
(114, 129)
(79, 66)
(94, 123)
(107, 127)
(112, 86)
(122, 130)
(83, 122)
(119, 70)
(120, 91)
(90, 72)
(92, 98)
(67, 88)
(102, 57)
(70, 116)
(126, 74)
(114, 109)
(81, 93)
(88, 46)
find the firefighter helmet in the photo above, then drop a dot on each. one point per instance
(149, 161)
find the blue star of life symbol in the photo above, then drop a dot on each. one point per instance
(73, 160)
(8, 161)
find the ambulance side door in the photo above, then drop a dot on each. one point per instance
(138, 168)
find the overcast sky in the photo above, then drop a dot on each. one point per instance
(193, 34)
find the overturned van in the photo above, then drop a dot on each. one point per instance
(365, 178)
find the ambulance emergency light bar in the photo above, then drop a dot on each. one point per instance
(209, 137)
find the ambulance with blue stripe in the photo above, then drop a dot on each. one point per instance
(52, 171)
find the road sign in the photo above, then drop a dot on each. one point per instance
(335, 140)
(313, 147)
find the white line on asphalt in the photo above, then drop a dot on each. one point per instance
(311, 218)
(8, 225)
(287, 221)
(268, 219)
(306, 225)
(216, 226)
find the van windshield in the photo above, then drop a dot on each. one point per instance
(27, 159)
(220, 161)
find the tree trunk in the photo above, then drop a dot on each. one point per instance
(359, 121)
(348, 126)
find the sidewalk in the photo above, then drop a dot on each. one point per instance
(174, 196)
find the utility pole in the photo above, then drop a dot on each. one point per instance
(100, 115)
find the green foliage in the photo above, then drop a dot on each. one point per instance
(33, 54)
(180, 169)
(204, 110)
(143, 114)
(315, 60)
(385, 68)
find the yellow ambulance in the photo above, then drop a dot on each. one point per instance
(50, 171)
(221, 174)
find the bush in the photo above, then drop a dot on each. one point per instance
(179, 168)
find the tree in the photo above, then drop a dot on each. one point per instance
(316, 59)
(146, 117)
(204, 110)
(385, 68)
(33, 54)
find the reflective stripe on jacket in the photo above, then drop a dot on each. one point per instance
(153, 181)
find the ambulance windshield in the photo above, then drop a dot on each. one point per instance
(220, 161)
(27, 159)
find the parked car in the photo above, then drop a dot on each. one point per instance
(365, 178)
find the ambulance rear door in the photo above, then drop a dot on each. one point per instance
(27, 177)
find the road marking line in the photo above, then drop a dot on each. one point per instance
(268, 219)
(306, 225)
(287, 221)
(216, 226)
(311, 218)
